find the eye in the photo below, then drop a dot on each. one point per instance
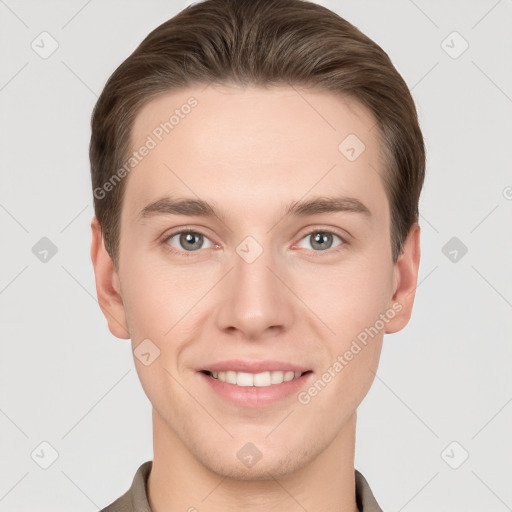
(322, 239)
(187, 240)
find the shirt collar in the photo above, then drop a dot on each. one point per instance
(136, 499)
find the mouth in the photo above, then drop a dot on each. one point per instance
(261, 379)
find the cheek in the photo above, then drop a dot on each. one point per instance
(348, 297)
(349, 385)
(159, 306)
(350, 305)
(157, 294)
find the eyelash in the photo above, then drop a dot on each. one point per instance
(191, 254)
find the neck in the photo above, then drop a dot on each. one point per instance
(179, 482)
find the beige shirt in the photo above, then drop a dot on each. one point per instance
(135, 499)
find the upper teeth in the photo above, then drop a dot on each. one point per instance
(255, 379)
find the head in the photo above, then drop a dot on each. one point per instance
(288, 145)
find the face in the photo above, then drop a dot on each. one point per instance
(230, 299)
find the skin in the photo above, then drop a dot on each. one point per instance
(251, 152)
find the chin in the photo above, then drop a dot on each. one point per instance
(268, 467)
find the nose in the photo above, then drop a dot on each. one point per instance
(255, 299)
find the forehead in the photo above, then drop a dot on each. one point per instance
(256, 147)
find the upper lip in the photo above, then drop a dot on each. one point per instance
(238, 365)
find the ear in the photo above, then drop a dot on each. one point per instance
(107, 284)
(405, 281)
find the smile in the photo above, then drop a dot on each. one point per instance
(262, 379)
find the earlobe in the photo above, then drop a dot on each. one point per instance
(107, 284)
(406, 279)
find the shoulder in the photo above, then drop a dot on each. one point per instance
(122, 504)
(366, 501)
(135, 498)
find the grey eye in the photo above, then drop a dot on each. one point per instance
(321, 240)
(188, 240)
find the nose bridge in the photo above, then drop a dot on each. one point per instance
(253, 299)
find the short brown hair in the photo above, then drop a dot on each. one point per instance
(263, 43)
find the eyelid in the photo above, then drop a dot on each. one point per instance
(184, 229)
(344, 235)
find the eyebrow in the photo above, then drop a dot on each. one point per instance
(199, 207)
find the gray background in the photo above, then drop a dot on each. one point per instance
(65, 380)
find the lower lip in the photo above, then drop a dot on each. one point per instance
(255, 396)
